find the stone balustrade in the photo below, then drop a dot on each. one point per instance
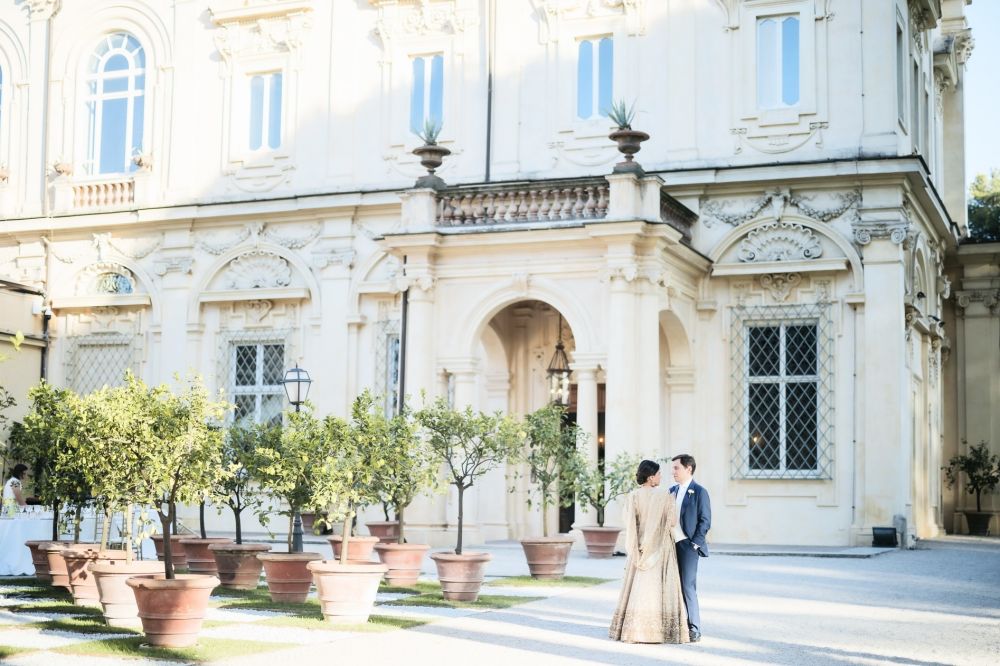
(552, 201)
(103, 194)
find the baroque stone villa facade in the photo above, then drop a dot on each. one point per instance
(229, 186)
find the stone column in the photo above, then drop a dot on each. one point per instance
(621, 423)
(420, 340)
(885, 440)
(465, 372)
(586, 402)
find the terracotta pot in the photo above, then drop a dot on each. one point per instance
(176, 548)
(171, 611)
(359, 548)
(200, 559)
(308, 520)
(600, 541)
(547, 556)
(402, 560)
(116, 597)
(239, 568)
(57, 565)
(288, 576)
(346, 591)
(387, 531)
(82, 582)
(39, 560)
(462, 575)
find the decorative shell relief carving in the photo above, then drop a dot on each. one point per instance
(258, 270)
(779, 241)
(780, 284)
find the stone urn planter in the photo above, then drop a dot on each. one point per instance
(431, 156)
(172, 611)
(979, 523)
(81, 580)
(288, 575)
(600, 541)
(176, 549)
(629, 142)
(115, 596)
(403, 561)
(462, 575)
(57, 565)
(387, 531)
(346, 591)
(239, 568)
(40, 560)
(359, 549)
(200, 559)
(547, 556)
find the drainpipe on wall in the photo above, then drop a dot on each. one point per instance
(490, 48)
(402, 346)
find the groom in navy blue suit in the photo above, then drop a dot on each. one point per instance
(693, 522)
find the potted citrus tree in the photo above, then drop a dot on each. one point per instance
(469, 444)
(982, 474)
(181, 462)
(597, 484)
(236, 564)
(286, 458)
(409, 469)
(346, 479)
(550, 446)
(116, 427)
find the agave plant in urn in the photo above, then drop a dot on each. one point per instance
(431, 154)
(629, 140)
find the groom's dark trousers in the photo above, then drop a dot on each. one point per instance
(687, 563)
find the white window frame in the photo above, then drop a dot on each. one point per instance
(265, 133)
(258, 389)
(811, 78)
(595, 76)
(428, 59)
(93, 129)
(779, 73)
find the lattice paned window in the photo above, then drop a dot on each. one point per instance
(255, 368)
(99, 360)
(387, 367)
(782, 360)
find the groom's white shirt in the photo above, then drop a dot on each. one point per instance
(681, 496)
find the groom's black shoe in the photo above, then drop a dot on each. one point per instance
(695, 635)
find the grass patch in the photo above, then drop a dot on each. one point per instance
(229, 593)
(375, 624)
(56, 608)
(83, 625)
(8, 651)
(51, 593)
(437, 600)
(565, 581)
(21, 581)
(419, 588)
(266, 604)
(207, 649)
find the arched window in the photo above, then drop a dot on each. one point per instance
(115, 83)
(113, 283)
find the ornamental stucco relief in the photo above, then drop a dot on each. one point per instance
(735, 212)
(258, 269)
(779, 241)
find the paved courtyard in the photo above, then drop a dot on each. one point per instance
(938, 604)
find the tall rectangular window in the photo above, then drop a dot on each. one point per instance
(778, 61)
(782, 390)
(594, 77)
(915, 105)
(265, 111)
(427, 92)
(256, 371)
(900, 74)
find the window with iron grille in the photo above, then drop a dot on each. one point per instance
(782, 392)
(387, 364)
(99, 360)
(256, 369)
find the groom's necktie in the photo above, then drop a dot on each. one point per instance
(673, 489)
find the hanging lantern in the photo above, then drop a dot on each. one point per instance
(558, 372)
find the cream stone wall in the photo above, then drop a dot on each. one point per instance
(844, 204)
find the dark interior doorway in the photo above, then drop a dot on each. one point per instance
(567, 514)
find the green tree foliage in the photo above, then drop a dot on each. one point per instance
(240, 455)
(981, 469)
(984, 208)
(551, 444)
(469, 444)
(597, 484)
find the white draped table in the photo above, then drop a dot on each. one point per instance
(15, 558)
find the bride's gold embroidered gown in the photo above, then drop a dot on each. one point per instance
(651, 606)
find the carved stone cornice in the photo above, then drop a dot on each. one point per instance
(182, 265)
(551, 14)
(333, 257)
(988, 298)
(250, 28)
(43, 10)
(780, 285)
(398, 19)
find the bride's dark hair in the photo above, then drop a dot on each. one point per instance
(647, 468)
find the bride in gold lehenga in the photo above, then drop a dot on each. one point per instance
(651, 606)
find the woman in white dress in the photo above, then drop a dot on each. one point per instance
(13, 492)
(651, 606)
